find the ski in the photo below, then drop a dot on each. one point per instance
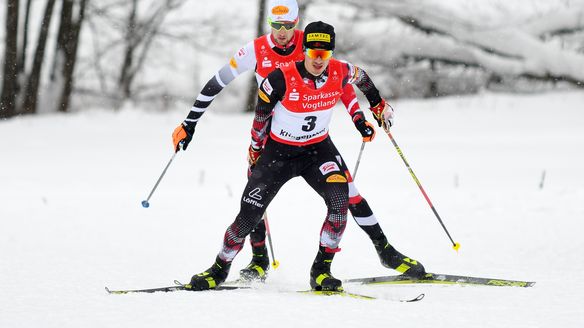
(340, 293)
(336, 293)
(169, 289)
(149, 290)
(354, 295)
(166, 289)
(439, 278)
(181, 287)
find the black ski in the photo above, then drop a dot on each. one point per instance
(179, 287)
(439, 278)
(168, 289)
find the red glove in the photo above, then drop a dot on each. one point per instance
(383, 114)
(253, 155)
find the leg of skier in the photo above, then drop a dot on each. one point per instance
(388, 255)
(257, 269)
(363, 215)
(262, 186)
(329, 181)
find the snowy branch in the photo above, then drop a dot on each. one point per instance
(516, 50)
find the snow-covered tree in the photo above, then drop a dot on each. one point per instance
(438, 46)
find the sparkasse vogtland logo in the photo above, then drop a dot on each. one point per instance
(294, 95)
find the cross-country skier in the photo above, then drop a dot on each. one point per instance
(297, 99)
(264, 55)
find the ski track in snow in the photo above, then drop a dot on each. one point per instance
(71, 221)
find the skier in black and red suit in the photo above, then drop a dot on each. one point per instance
(297, 100)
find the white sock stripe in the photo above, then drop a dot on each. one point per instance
(366, 221)
(191, 119)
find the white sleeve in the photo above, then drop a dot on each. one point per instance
(244, 59)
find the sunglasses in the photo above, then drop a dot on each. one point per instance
(315, 53)
(282, 25)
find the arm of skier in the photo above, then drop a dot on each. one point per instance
(382, 112)
(271, 90)
(349, 99)
(242, 61)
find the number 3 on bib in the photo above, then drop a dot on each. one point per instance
(310, 123)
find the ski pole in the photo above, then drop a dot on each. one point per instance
(275, 262)
(358, 160)
(455, 246)
(145, 203)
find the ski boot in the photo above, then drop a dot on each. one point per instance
(391, 258)
(211, 277)
(321, 277)
(257, 269)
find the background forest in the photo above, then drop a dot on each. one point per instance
(69, 55)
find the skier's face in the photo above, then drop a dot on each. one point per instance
(283, 32)
(316, 60)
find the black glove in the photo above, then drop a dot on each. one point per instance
(183, 134)
(365, 128)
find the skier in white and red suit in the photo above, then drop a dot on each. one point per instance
(297, 99)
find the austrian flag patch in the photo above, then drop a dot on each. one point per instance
(328, 167)
(267, 87)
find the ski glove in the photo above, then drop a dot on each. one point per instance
(253, 154)
(383, 114)
(182, 135)
(365, 128)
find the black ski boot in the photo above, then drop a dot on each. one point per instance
(321, 277)
(257, 269)
(211, 277)
(391, 258)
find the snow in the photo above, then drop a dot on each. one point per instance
(477, 37)
(71, 221)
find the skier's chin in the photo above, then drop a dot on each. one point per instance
(317, 69)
